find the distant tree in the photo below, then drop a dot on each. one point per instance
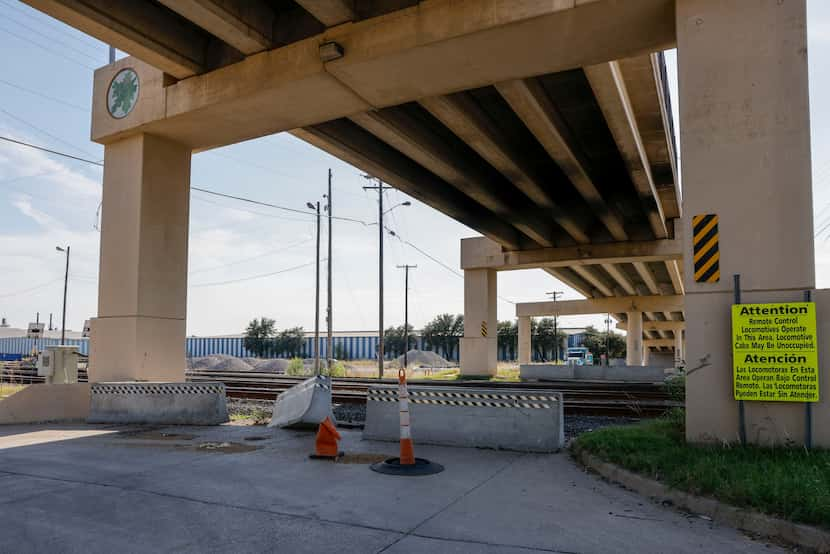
(393, 340)
(291, 341)
(595, 342)
(544, 340)
(259, 336)
(340, 352)
(508, 338)
(443, 333)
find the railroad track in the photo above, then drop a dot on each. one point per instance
(612, 398)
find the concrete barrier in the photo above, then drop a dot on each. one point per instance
(553, 372)
(510, 419)
(305, 405)
(158, 403)
(41, 403)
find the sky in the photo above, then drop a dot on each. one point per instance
(248, 261)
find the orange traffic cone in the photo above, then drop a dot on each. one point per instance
(325, 445)
(407, 457)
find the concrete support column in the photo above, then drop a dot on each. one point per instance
(634, 339)
(139, 333)
(678, 348)
(479, 354)
(646, 355)
(745, 146)
(525, 346)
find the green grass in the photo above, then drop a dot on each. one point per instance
(7, 389)
(791, 483)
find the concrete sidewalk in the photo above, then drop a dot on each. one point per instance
(129, 489)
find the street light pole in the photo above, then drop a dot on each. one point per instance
(65, 288)
(555, 295)
(317, 294)
(329, 322)
(406, 269)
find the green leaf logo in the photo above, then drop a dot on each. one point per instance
(123, 93)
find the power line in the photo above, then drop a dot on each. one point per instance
(47, 133)
(266, 204)
(46, 96)
(54, 38)
(57, 153)
(252, 277)
(57, 53)
(244, 260)
(65, 30)
(24, 291)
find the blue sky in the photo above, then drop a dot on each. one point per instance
(45, 90)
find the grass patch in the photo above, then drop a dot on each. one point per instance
(510, 374)
(7, 389)
(791, 483)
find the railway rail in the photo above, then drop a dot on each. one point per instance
(612, 398)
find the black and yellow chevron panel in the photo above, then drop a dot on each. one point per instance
(706, 252)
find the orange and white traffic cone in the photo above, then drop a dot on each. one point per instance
(407, 451)
(325, 445)
(406, 463)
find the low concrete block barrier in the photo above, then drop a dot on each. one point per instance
(158, 403)
(510, 419)
(305, 405)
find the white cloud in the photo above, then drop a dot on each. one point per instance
(24, 204)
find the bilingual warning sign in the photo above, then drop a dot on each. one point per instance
(775, 352)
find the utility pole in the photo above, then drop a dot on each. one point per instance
(50, 321)
(406, 269)
(329, 323)
(555, 295)
(112, 54)
(316, 294)
(380, 187)
(65, 287)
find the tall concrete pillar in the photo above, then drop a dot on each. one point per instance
(525, 346)
(745, 146)
(139, 333)
(646, 355)
(634, 339)
(678, 348)
(479, 355)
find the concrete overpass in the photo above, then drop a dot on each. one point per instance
(544, 125)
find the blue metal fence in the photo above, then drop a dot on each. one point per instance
(357, 347)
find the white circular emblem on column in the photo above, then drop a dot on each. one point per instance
(122, 95)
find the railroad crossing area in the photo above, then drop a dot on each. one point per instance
(232, 488)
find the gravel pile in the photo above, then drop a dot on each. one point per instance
(269, 366)
(424, 358)
(219, 362)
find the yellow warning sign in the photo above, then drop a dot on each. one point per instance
(775, 352)
(483, 328)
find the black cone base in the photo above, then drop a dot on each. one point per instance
(393, 466)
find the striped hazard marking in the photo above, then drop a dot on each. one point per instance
(705, 246)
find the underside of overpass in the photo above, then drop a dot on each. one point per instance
(544, 125)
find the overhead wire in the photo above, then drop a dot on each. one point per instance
(55, 52)
(260, 276)
(45, 96)
(267, 204)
